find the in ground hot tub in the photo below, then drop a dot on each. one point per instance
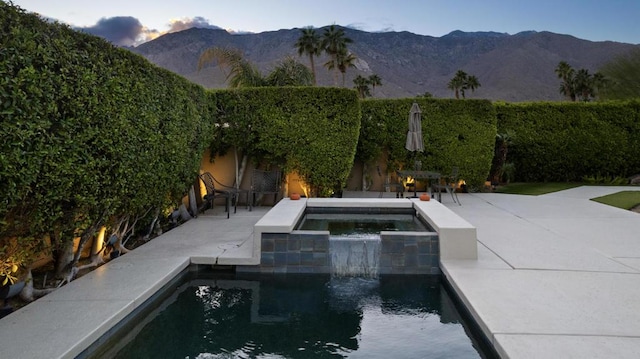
(365, 241)
(280, 247)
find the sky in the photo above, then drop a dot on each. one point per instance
(132, 22)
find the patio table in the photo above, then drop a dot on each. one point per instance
(427, 176)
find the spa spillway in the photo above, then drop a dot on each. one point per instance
(359, 237)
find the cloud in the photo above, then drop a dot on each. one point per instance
(187, 23)
(356, 26)
(128, 31)
(120, 30)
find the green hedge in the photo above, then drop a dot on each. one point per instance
(567, 141)
(456, 133)
(88, 132)
(310, 130)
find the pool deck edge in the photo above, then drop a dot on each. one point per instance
(555, 276)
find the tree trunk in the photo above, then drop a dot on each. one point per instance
(193, 206)
(29, 293)
(364, 178)
(64, 257)
(84, 238)
(313, 69)
(241, 169)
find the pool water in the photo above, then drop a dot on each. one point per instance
(361, 224)
(302, 316)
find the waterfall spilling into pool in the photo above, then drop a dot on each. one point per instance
(355, 256)
(385, 236)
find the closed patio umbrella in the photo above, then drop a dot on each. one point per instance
(415, 142)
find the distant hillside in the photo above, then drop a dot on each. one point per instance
(516, 67)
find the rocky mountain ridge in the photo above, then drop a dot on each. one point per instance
(511, 68)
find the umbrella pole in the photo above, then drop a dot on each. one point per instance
(415, 168)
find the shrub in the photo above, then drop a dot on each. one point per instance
(456, 133)
(310, 130)
(568, 141)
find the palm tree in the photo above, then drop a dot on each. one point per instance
(309, 43)
(290, 72)
(333, 42)
(457, 83)
(566, 73)
(599, 82)
(362, 86)
(345, 60)
(241, 72)
(471, 83)
(582, 85)
(374, 80)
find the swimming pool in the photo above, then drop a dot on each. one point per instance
(299, 316)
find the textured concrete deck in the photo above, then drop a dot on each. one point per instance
(65, 322)
(558, 276)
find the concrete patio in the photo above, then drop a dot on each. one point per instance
(557, 276)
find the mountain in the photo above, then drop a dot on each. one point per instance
(511, 68)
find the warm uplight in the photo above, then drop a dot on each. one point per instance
(98, 242)
(305, 188)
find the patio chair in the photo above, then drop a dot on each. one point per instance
(449, 184)
(391, 184)
(264, 182)
(213, 192)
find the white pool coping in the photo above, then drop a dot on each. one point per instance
(457, 237)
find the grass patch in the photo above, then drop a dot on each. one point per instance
(623, 199)
(535, 189)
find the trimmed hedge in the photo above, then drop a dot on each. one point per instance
(310, 130)
(88, 131)
(456, 133)
(568, 141)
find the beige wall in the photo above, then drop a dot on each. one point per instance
(223, 169)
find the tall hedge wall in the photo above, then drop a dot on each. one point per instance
(310, 130)
(456, 133)
(88, 131)
(566, 141)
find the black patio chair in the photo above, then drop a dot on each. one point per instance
(449, 184)
(391, 184)
(213, 192)
(264, 182)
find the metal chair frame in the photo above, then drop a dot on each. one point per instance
(449, 184)
(231, 195)
(264, 182)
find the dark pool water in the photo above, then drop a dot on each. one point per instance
(300, 316)
(350, 223)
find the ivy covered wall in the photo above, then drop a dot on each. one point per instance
(89, 133)
(568, 141)
(456, 133)
(312, 131)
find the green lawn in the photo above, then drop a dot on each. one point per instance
(535, 189)
(623, 199)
